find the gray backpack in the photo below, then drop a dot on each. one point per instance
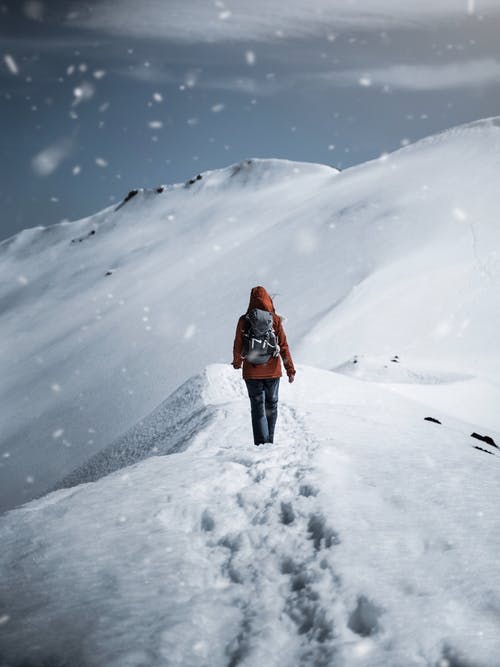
(259, 339)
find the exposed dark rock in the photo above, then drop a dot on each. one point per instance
(432, 419)
(484, 438)
(193, 180)
(83, 238)
(483, 450)
(130, 195)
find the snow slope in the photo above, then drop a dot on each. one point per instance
(397, 256)
(366, 537)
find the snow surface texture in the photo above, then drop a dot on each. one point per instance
(103, 317)
(366, 537)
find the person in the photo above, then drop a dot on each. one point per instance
(262, 379)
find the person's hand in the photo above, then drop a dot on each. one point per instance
(291, 378)
(235, 366)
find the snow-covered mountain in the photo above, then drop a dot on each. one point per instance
(367, 535)
(397, 256)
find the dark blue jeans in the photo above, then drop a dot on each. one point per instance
(263, 396)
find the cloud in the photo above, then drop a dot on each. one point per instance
(421, 77)
(152, 75)
(259, 87)
(248, 85)
(43, 44)
(260, 20)
(416, 77)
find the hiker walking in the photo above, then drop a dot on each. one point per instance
(258, 344)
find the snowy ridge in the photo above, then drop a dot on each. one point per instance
(335, 546)
(104, 317)
(256, 172)
(169, 429)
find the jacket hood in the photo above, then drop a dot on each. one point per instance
(259, 298)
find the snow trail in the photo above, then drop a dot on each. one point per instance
(277, 555)
(334, 546)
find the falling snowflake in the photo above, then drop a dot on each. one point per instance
(191, 79)
(101, 162)
(217, 108)
(48, 160)
(250, 58)
(155, 124)
(158, 97)
(83, 93)
(11, 63)
(459, 214)
(190, 331)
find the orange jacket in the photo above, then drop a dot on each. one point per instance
(259, 298)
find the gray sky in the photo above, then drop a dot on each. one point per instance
(98, 98)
